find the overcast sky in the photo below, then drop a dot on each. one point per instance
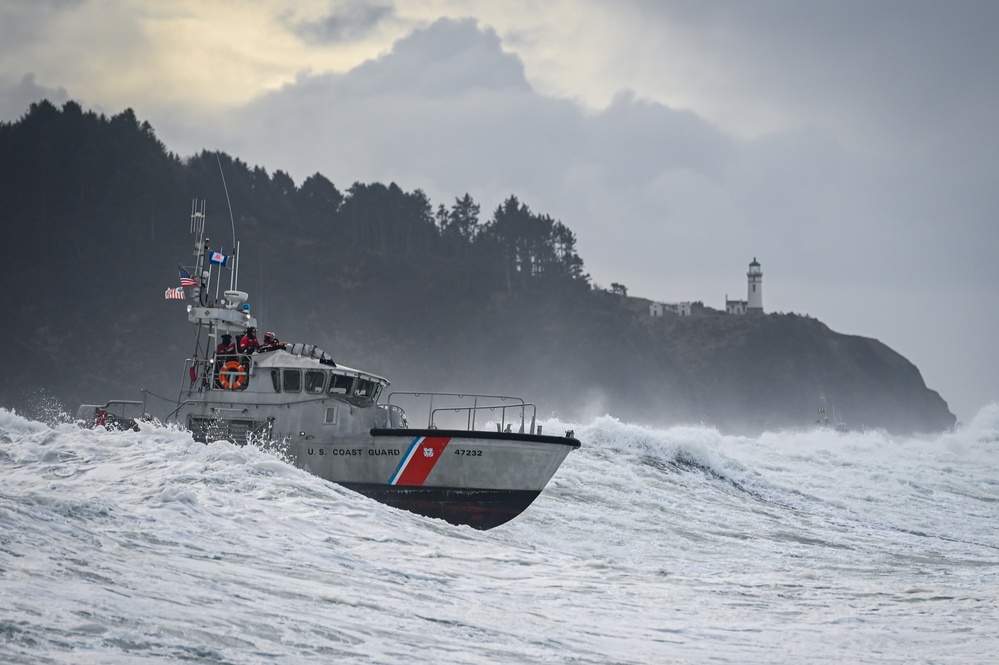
(851, 147)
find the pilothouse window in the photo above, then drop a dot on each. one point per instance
(364, 388)
(340, 384)
(314, 381)
(292, 380)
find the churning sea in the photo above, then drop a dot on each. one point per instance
(649, 546)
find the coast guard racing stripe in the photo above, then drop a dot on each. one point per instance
(419, 460)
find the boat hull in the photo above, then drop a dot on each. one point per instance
(480, 479)
(479, 509)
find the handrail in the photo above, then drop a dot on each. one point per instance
(471, 410)
(123, 405)
(503, 426)
(267, 424)
(180, 405)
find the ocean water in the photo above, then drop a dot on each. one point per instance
(649, 546)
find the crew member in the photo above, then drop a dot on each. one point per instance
(224, 353)
(271, 343)
(226, 347)
(248, 343)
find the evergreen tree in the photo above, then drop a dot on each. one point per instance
(463, 219)
(318, 202)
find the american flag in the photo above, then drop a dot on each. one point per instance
(186, 279)
(174, 294)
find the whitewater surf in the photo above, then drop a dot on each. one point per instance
(649, 546)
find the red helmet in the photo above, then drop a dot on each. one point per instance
(269, 337)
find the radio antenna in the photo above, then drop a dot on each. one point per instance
(232, 221)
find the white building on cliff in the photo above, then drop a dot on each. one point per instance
(678, 308)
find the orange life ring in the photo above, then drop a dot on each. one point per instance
(237, 381)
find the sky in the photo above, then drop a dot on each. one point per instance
(851, 147)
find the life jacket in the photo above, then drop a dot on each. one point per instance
(248, 344)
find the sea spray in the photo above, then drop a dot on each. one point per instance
(649, 545)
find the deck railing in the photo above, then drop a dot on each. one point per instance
(457, 403)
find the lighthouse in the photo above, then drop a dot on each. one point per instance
(754, 299)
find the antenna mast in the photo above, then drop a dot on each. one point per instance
(198, 229)
(232, 222)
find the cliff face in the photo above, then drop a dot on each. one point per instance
(774, 371)
(604, 354)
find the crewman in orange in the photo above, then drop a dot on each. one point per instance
(248, 343)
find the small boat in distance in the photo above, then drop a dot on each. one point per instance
(341, 423)
(823, 420)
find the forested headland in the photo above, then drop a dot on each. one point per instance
(460, 295)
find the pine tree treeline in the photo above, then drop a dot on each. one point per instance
(94, 211)
(66, 168)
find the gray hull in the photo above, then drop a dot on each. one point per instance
(482, 479)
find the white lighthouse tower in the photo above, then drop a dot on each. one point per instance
(754, 299)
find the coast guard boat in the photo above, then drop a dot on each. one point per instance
(342, 424)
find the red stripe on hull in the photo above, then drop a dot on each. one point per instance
(423, 461)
